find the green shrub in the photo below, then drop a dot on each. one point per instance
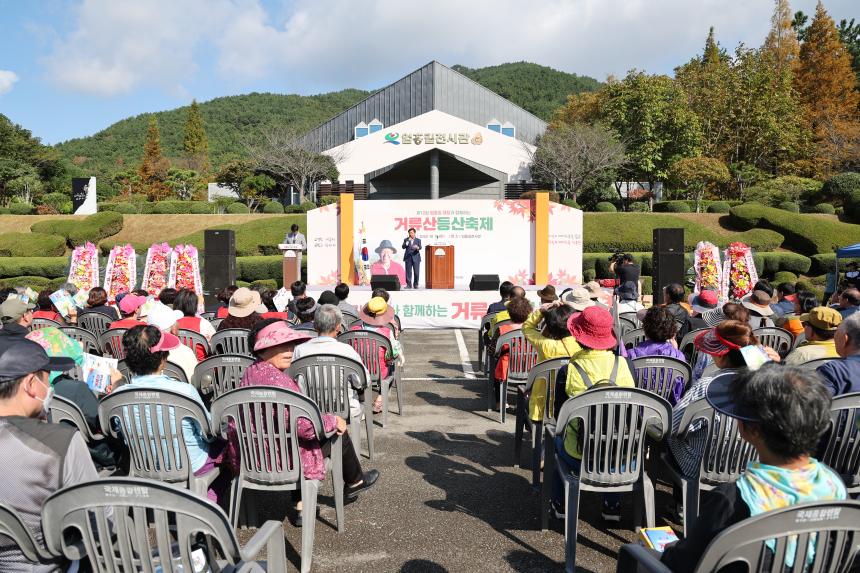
(173, 208)
(784, 277)
(202, 208)
(241, 284)
(843, 187)
(31, 245)
(273, 207)
(237, 209)
(825, 208)
(327, 200)
(718, 207)
(93, 228)
(571, 203)
(259, 268)
(20, 208)
(647, 286)
(823, 263)
(266, 283)
(4, 211)
(61, 202)
(50, 267)
(605, 207)
(790, 206)
(638, 207)
(308, 206)
(530, 195)
(840, 210)
(260, 236)
(588, 275)
(804, 234)
(126, 208)
(293, 209)
(768, 264)
(673, 207)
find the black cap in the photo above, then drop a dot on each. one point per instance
(721, 397)
(25, 357)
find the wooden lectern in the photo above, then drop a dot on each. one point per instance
(292, 263)
(439, 261)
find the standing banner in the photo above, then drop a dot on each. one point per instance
(84, 267)
(156, 268)
(84, 195)
(120, 272)
(185, 271)
(323, 245)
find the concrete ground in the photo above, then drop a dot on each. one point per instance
(449, 498)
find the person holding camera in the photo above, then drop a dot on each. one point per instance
(627, 272)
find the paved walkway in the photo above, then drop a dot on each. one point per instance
(449, 498)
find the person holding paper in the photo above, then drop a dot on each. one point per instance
(45, 308)
(16, 316)
(412, 258)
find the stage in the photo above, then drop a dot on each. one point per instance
(438, 308)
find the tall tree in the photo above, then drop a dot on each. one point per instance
(194, 141)
(827, 88)
(849, 33)
(153, 166)
(781, 42)
(697, 175)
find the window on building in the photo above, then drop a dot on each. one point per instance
(494, 125)
(375, 126)
(361, 130)
(509, 129)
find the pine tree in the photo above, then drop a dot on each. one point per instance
(711, 54)
(781, 43)
(194, 142)
(827, 88)
(154, 166)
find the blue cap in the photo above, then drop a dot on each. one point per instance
(25, 357)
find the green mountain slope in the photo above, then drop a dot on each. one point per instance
(538, 89)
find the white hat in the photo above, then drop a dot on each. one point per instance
(162, 316)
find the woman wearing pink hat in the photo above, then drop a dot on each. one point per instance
(273, 342)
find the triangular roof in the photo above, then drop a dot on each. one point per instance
(430, 87)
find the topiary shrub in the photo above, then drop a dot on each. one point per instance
(588, 275)
(718, 207)
(293, 209)
(274, 208)
(840, 211)
(571, 203)
(784, 277)
(252, 269)
(605, 207)
(638, 207)
(61, 202)
(31, 245)
(790, 206)
(4, 211)
(673, 207)
(265, 283)
(173, 208)
(202, 208)
(308, 206)
(77, 232)
(843, 188)
(825, 208)
(21, 209)
(34, 266)
(530, 195)
(327, 200)
(237, 209)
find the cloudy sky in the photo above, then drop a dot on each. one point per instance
(70, 68)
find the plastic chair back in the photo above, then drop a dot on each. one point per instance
(626, 324)
(522, 356)
(632, 317)
(843, 445)
(150, 423)
(64, 410)
(265, 418)
(325, 379)
(688, 348)
(368, 343)
(613, 423)
(633, 337)
(215, 322)
(175, 371)
(816, 362)
(779, 339)
(230, 341)
(660, 374)
(95, 322)
(548, 370)
(799, 339)
(112, 518)
(219, 374)
(193, 339)
(13, 528)
(110, 342)
(207, 315)
(40, 323)
(88, 340)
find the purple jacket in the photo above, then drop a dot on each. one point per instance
(651, 348)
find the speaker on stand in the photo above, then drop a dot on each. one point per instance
(219, 263)
(668, 261)
(388, 282)
(484, 282)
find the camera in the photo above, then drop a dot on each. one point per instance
(616, 257)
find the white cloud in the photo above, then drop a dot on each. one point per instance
(7, 80)
(119, 46)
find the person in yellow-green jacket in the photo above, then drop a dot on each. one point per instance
(516, 292)
(554, 340)
(595, 363)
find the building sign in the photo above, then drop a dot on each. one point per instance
(433, 138)
(84, 195)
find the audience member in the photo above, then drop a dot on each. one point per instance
(167, 296)
(519, 310)
(673, 301)
(578, 299)
(843, 376)
(547, 294)
(804, 301)
(342, 292)
(628, 298)
(820, 326)
(297, 289)
(782, 412)
(380, 292)
(505, 290)
(165, 319)
(328, 322)
(16, 316)
(97, 301)
(45, 308)
(187, 302)
(852, 275)
(38, 458)
(594, 364)
(598, 295)
(785, 298)
(849, 302)
(660, 328)
(224, 296)
(244, 311)
(376, 316)
(627, 274)
(706, 301)
(758, 303)
(129, 308)
(273, 343)
(552, 341)
(147, 349)
(70, 288)
(305, 309)
(516, 292)
(267, 297)
(140, 292)
(4, 294)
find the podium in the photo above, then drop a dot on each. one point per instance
(439, 265)
(292, 265)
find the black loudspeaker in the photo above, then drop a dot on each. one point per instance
(668, 260)
(219, 242)
(388, 282)
(219, 262)
(484, 282)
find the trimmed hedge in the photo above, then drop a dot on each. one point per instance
(605, 207)
(59, 201)
(824, 208)
(44, 267)
(31, 245)
(260, 236)
(638, 207)
(251, 269)
(662, 206)
(772, 263)
(784, 277)
(803, 234)
(21, 209)
(790, 206)
(301, 208)
(571, 203)
(274, 208)
(672, 207)
(202, 208)
(237, 209)
(767, 263)
(823, 263)
(719, 207)
(77, 232)
(35, 283)
(327, 200)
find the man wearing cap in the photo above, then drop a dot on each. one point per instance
(129, 308)
(165, 319)
(843, 376)
(37, 458)
(17, 316)
(819, 325)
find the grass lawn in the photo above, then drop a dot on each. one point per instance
(152, 228)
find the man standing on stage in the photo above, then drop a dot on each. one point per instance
(296, 238)
(412, 259)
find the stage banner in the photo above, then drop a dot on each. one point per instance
(565, 245)
(84, 195)
(323, 246)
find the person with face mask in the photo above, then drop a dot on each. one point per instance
(38, 458)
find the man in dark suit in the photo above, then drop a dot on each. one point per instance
(412, 259)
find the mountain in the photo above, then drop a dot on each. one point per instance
(538, 89)
(230, 120)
